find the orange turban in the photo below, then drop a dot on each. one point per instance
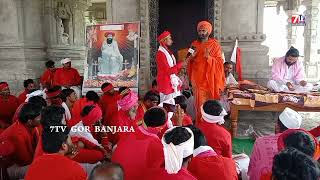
(163, 35)
(205, 25)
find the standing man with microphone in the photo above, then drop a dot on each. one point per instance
(205, 68)
(169, 84)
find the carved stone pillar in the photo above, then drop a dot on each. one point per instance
(243, 20)
(65, 26)
(21, 42)
(311, 56)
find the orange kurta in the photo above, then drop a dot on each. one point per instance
(206, 73)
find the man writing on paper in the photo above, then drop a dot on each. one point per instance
(288, 74)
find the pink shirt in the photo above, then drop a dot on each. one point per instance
(262, 156)
(280, 68)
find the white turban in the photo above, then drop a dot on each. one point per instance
(174, 154)
(290, 118)
(34, 93)
(214, 119)
(65, 60)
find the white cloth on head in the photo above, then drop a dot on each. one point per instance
(175, 80)
(34, 93)
(67, 112)
(201, 149)
(174, 154)
(79, 130)
(214, 119)
(169, 114)
(65, 60)
(290, 118)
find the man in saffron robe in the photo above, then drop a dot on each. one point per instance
(108, 102)
(54, 164)
(8, 106)
(206, 163)
(22, 138)
(67, 77)
(169, 84)
(28, 87)
(178, 145)
(47, 77)
(211, 126)
(147, 146)
(266, 147)
(205, 68)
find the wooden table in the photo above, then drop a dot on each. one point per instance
(271, 108)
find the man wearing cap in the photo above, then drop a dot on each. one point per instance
(67, 77)
(46, 78)
(205, 68)
(211, 125)
(111, 60)
(178, 145)
(266, 147)
(169, 84)
(8, 106)
(288, 73)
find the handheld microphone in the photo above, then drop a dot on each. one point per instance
(191, 50)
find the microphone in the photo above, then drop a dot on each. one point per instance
(191, 50)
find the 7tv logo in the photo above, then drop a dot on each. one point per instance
(298, 20)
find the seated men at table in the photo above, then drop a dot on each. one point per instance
(266, 147)
(178, 145)
(288, 73)
(67, 77)
(230, 80)
(206, 163)
(211, 126)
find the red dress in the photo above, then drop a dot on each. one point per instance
(164, 72)
(55, 166)
(8, 108)
(138, 153)
(218, 138)
(23, 141)
(66, 77)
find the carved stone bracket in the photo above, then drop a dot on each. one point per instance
(217, 19)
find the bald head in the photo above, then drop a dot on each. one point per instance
(107, 171)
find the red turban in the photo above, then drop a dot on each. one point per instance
(94, 116)
(163, 35)
(4, 86)
(205, 25)
(108, 88)
(128, 101)
(109, 33)
(53, 94)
